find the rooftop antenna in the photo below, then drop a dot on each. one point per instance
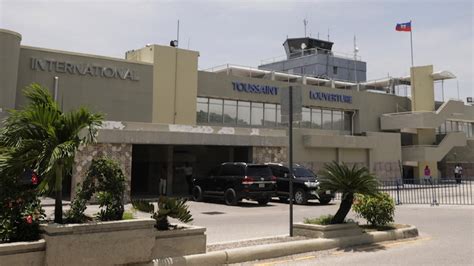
(457, 85)
(318, 34)
(189, 41)
(328, 34)
(356, 50)
(177, 37)
(305, 22)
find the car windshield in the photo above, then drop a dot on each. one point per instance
(258, 170)
(302, 172)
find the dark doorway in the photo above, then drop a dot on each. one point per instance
(147, 161)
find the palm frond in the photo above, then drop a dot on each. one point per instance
(342, 178)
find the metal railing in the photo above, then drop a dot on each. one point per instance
(309, 52)
(429, 191)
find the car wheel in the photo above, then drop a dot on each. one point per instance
(230, 197)
(283, 199)
(300, 196)
(197, 193)
(324, 200)
(263, 201)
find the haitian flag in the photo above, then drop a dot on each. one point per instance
(403, 26)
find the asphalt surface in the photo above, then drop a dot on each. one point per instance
(446, 238)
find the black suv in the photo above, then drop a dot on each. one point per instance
(237, 181)
(305, 185)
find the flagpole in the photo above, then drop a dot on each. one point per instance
(411, 43)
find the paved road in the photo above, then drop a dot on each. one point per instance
(446, 238)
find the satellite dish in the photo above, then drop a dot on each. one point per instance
(303, 46)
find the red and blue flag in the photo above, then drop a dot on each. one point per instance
(403, 26)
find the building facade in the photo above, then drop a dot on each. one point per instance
(161, 111)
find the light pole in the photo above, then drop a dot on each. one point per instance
(290, 146)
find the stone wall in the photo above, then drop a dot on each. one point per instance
(269, 154)
(382, 170)
(119, 152)
(386, 170)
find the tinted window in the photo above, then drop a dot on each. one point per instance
(232, 170)
(258, 170)
(302, 172)
(278, 171)
(214, 171)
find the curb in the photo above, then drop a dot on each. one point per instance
(268, 251)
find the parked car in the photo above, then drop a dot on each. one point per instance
(236, 181)
(305, 184)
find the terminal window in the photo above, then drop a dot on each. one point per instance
(258, 114)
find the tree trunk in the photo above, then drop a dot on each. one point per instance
(58, 203)
(344, 208)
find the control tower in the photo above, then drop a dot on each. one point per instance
(315, 58)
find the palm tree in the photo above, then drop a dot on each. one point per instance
(45, 139)
(348, 181)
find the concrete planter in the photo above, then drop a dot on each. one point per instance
(268, 251)
(181, 242)
(101, 243)
(23, 253)
(326, 231)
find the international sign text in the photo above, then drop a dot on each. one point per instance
(91, 70)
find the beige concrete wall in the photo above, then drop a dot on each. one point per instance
(452, 109)
(123, 100)
(175, 82)
(382, 157)
(353, 155)
(220, 86)
(425, 136)
(30, 253)
(175, 243)
(9, 58)
(367, 115)
(102, 243)
(186, 87)
(422, 88)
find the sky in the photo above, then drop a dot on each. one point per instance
(247, 32)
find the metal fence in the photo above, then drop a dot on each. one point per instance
(433, 192)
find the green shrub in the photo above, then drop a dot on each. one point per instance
(171, 207)
(127, 216)
(106, 179)
(20, 209)
(324, 220)
(143, 206)
(378, 210)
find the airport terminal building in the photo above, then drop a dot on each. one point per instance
(162, 111)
